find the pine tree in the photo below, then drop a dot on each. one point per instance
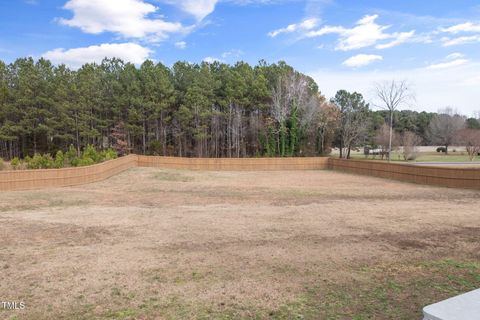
(203, 110)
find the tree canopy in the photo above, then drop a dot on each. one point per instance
(194, 110)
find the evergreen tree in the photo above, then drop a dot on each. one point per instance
(202, 110)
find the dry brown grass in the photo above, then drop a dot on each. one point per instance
(167, 244)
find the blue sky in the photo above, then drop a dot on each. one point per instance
(342, 44)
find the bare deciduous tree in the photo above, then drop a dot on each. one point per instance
(393, 95)
(444, 126)
(470, 138)
(291, 89)
(410, 142)
(386, 140)
(292, 93)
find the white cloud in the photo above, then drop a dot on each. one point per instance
(212, 59)
(400, 38)
(225, 56)
(197, 8)
(181, 44)
(75, 58)
(457, 87)
(325, 30)
(463, 27)
(455, 55)
(449, 64)
(467, 27)
(448, 42)
(305, 25)
(234, 53)
(366, 33)
(361, 60)
(128, 18)
(253, 2)
(452, 60)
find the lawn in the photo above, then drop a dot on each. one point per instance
(423, 157)
(173, 244)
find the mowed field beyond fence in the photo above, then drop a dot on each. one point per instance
(433, 175)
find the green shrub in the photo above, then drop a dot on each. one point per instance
(91, 153)
(85, 162)
(70, 157)
(15, 163)
(88, 157)
(47, 161)
(108, 154)
(91, 156)
(59, 159)
(40, 162)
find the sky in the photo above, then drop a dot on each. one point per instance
(352, 45)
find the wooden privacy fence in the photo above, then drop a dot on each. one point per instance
(432, 175)
(39, 179)
(44, 178)
(234, 164)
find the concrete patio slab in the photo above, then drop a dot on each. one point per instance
(463, 307)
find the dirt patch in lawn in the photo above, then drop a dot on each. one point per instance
(172, 244)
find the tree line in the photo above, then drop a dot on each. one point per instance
(192, 110)
(388, 130)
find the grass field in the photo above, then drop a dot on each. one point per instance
(424, 157)
(170, 244)
(425, 154)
